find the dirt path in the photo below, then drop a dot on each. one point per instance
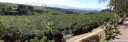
(83, 36)
(123, 35)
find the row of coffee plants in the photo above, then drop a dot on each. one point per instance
(54, 27)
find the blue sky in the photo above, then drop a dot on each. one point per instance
(71, 3)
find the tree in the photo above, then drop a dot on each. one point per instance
(1, 7)
(120, 9)
(24, 9)
(106, 10)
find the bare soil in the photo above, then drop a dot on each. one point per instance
(84, 36)
(121, 37)
(123, 33)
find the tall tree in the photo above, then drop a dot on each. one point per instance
(119, 7)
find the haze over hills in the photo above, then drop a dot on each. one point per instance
(69, 7)
(62, 6)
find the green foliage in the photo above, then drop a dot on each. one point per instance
(110, 29)
(54, 27)
(50, 26)
(16, 10)
(1, 30)
(51, 23)
(51, 41)
(34, 40)
(94, 40)
(119, 8)
(44, 39)
(24, 9)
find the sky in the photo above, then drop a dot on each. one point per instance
(71, 3)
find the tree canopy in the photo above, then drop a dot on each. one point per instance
(119, 8)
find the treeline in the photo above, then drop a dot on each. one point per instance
(67, 11)
(16, 10)
(20, 9)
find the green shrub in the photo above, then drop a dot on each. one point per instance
(1, 30)
(54, 27)
(35, 40)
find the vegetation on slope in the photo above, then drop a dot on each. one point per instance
(29, 23)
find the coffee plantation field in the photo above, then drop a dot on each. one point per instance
(51, 26)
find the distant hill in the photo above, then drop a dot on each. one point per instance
(68, 7)
(57, 8)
